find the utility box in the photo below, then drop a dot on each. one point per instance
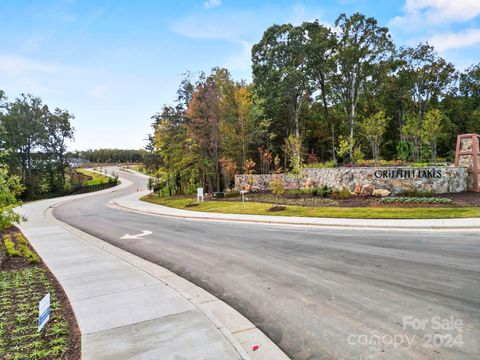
(218, 195)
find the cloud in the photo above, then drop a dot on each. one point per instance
(241, 60)
(204, 27)
(436, 12)
(231, 26)
(212, 3)
(456, 40)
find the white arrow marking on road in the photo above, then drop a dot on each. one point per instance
(143, 233)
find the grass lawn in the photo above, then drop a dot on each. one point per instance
(23, 282)
(96, 177)
(256, 208)
(138, 168)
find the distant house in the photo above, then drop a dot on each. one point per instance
(78, 162)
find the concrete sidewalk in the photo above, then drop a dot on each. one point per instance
(129, 308)
(132, 203)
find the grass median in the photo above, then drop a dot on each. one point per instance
(96, 178)
(257, 208)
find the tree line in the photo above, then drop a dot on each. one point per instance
(33, 146)
(338, 95)
(110, 155)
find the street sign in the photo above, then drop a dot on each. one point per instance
(43, 311)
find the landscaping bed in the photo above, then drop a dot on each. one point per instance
(306, 199)
(379, 211)
(24, 280)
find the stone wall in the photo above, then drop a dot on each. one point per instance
(438, 180)
(468, 153)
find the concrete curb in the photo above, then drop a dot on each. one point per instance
(237, 329)
(468, 224)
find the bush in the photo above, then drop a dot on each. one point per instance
(417, 193)
(341, 194)
(297, 193)
(230, 194)
(328, 164)
(324, 191)
(10, 249)
(278, 186)
(25, 250)
(22, 249)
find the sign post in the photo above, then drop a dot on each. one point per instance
(199, 194)
(43, 311)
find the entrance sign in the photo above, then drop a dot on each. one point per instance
(43, 311)
(408, 174)
(199, 194)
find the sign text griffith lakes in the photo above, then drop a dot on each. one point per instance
(408, 174)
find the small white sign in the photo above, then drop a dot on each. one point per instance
(43, 311)
(199, 194)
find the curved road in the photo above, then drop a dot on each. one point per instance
(317, 293)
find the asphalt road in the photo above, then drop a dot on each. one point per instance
(317, 293)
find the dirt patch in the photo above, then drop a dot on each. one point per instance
(37, 279)
(191, 205)
(277, 208)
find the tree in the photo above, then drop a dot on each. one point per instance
(320, 52)
(203, 126)
(364, 50)
(413, 134)
(374, 128)
(10, 188)
(429, 75)
(279, 73)
(56, 130)
(432, 130)
(23, 126)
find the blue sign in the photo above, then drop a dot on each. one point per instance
(43, 311)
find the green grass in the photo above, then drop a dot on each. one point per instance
(139, 168)
(227, 207)
(96, 177)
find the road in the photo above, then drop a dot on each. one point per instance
(318, 293)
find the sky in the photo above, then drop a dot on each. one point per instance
(113, 64)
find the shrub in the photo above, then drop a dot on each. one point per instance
(296, 193)
(417, 193)
(278, 186)
(341, 194)
(323, 191)
(10, 249)
(25, 250)
(230, 194)
(425, 200)
(328, 164)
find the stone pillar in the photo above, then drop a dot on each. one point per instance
(468, 155)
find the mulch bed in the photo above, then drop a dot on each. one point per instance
(467, 199)
(64, 310)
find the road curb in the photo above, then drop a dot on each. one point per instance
(237, 330)
(274, 221)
